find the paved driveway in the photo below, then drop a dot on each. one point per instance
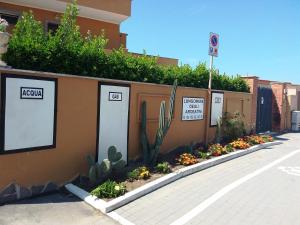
(54, 209)
(261, 188)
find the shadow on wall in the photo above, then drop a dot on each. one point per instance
(276, 116)
(288, 113)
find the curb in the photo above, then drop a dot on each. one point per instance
(107, 207)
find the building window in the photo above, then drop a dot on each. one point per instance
(11, 17)
(52, 26)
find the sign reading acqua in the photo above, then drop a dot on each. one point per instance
(28, 113)
(216, 107)
(192, 108)
(31, 93)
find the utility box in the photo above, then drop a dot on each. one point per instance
(296, 121)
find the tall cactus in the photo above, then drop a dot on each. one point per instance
(151, 151)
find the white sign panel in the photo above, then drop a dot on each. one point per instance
(213, 44)
(29, 113)
(291, 92)
(216, 108)
(113, 121)
(192, 108)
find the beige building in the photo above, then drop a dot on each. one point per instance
(293, 93)
(94, 15)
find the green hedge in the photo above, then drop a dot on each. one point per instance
(67, 51)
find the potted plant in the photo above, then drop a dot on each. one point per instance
(4, 38)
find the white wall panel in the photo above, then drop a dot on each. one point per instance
(217, 100)
(29, 122)
(113, 127)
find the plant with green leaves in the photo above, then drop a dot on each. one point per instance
(201, 152)
(133, 175)
(163, 167)
(219, 130)
(140, 173)
(100, 171)
(151, 151)
(233, 126)
(230, 127)
(66, 43)
(109, 189)
(27, 47)
(229, 148)
(203, 155)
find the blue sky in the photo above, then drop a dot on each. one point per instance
(257, 37)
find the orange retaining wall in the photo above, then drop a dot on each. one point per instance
(77, 128)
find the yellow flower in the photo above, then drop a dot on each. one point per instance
(117, 188)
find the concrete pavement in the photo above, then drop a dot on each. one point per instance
(54, 209)
(269, 197)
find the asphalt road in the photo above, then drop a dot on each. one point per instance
(261, 188)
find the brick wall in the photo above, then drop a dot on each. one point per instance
(281, 109)
(253, 84)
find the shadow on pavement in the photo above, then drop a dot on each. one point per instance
(281, 139)
(54, 197)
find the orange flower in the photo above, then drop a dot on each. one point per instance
(240, 144)
(187, 159)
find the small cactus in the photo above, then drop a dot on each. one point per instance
(115, 157)
(99, 172)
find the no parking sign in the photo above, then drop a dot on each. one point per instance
(213, 44)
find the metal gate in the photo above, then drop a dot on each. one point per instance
(264, 109)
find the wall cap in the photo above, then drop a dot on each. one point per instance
(51, 74)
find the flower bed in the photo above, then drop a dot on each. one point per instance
(137, 175)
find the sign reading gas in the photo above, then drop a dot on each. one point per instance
(31, 93)
(192, 108)
(115, 96)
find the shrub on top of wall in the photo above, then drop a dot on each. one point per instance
(27, 47)
(67, 51)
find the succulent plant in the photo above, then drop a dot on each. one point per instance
(151, 151)
(100, 171)
(115, 159)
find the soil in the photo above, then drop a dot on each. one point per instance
(131, 185)
(171, 157)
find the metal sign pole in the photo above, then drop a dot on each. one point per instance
(208, 101)
(213, 51)
(210, 71)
